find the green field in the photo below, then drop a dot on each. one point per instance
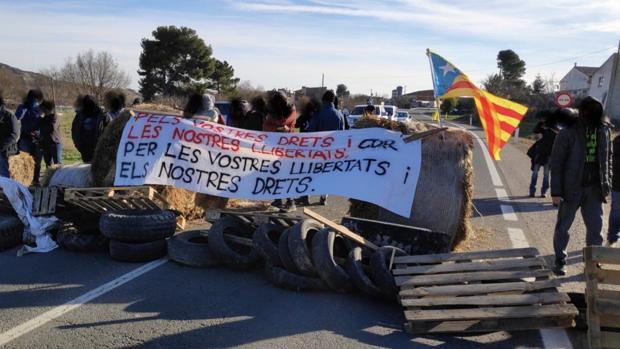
(70, 155)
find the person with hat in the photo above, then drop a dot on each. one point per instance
(202, 107)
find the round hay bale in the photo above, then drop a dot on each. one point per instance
(444, 194)
(70, 176)
(21, 168)
(156, 107)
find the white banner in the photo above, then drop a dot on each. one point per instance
(373, 165)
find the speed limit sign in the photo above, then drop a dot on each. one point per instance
(563, 99)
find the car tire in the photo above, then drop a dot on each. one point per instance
(285, 254)
(299, 244)
(234, 255)
(325, 244)
(11, 232)
(137, 252)
(138, 225)
(71, 239)
(266, 239)
(291, 281)
(358, 276)
(380, 272)
(191, 248)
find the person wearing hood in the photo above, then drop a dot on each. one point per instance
(87, 127)
(29, 115)
(9, 132)
(51, 138)
(202, 107)
(581, 162)
(114, 104)
(256, 116)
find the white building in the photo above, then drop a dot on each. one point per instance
(578, 80)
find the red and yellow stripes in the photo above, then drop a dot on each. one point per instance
(500, 117)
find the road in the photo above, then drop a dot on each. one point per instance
(167, 305)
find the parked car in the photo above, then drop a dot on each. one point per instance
(402, 116)
(391, 111)
(358, 112)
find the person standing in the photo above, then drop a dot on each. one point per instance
(51, 139)
(540, 153)
(87, 127)
(280, 118)
(29, 115)
(202, 107)
(9, 133)
(114, 103)
(613, 232)
(303, 124)
(255, 118)
(580, 177)
(328, 118)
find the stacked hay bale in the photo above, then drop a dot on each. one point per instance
(444, 194)
(21, 168)
(104, 167)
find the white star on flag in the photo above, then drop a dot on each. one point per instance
(447, 68)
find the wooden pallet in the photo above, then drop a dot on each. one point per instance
(484, 291)
(256, 217)
(43, 200)
(603, 296)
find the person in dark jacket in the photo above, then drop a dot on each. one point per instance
(239, 108)
(328, 118)
(202, 107)
(613, 232)
(9, 133)
(580, 176)
(255, 118)
(29, 115)
(51, 139)
(303, 124)
(280, 118)
(541, 151)
(87, 127)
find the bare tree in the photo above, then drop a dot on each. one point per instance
(94, 73)
(51, 85)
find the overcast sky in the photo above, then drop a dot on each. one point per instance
(365, 44)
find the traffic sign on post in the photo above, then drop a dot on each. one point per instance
(564, 99)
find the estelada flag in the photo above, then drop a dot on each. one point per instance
(500, 117)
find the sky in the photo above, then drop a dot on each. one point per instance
(367, 45)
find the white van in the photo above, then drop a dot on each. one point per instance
(358, 112)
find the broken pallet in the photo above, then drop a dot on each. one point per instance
(603, 296)
(485, 291)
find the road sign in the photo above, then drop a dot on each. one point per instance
(563, 99)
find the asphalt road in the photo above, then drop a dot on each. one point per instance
(172, 306)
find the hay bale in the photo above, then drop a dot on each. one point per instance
(444, 194)
(21, 168)
(179, 199)
(70, 176)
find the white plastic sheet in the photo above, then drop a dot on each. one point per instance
(37, 227)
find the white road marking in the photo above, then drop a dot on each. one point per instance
(508, 212)
(52, 314)
(552, 338)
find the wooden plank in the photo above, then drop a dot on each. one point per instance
(608, 306)
(53, 200)
(445, 257)
(606, 276)
(605, 254)
(475, 266)
(340, 229)
(610, 340)
(476, 289)
(593, 320)
(446, 279)
(488, 325)
(609, 321)
(519, 299)
(532, 311)
(36, 201)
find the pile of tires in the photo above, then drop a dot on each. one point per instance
(79, 232)
(11, 231)
(138, 235)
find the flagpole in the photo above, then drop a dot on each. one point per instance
(430, 62)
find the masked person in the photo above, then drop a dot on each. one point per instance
(580, 176)
(114, 104)
(29, 115)
(87, 127)
(202, 107)
(51, 139)
(541, 151)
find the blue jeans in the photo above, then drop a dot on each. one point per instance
(613, 234)
(4, 166)
(545, 183)
(52, 154)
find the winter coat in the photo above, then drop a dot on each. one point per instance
(86, 130)
(30, 119)
(9, 132)
(328, 118)
(50, 130)
(615, 179)
(568, 159)
(280, 125)
(541, 150)
(253, 121)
